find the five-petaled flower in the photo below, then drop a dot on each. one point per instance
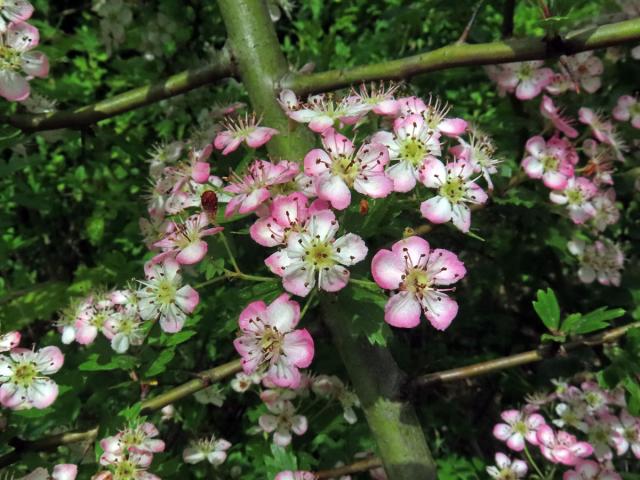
(247, 130)
(184, 241)
(416, 274)
(552, 161)
(507, 469)
(315, 254)
(213, 450)
(24, 377)
(282, 421)
(518, 427)
(270, 343)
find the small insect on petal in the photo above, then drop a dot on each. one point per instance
(209, 202)
(364, 207)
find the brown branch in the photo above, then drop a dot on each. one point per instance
(203, 380)
(532, 356)
(139, 97)
(363, 465)
(515, 50)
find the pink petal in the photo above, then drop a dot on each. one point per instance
(35, 64)
(251, 311)
(260, 136)
(461, 217)
(267, 232)
(299, 348)
(200, 172)
(192, 253)
(516, 442)
(387, 269)
(49, 360)
(437, 209)
(453, 127)
(277, 263)
(403, 176)
(333, 279)
(254, 200)
(350, 249)
(433, 173)
(13, 86)
(187, 299)
(402, 310)
(333, 189)
(283, 313)
(445, 268)
(440, 309)
(412, 249)
(316, 162)
(375, 185)
(22, 36)
(42, 392)
(65, 471)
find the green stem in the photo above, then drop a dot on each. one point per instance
(516, 50)
(364, 283)
(311, 298)
(532, 462)
(251, 278)
(232, 258)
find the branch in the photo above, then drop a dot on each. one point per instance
(203, 380)
(542, 352)
(356, 467)
(515, 50)
(124, 102)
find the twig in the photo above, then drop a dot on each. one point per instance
(472, 20)
(356, 467)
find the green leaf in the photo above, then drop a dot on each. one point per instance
(548, 309)
(546, 338)
(118, 362)
(176, 338)
(590, 322)
(633, 397)
(159, 365)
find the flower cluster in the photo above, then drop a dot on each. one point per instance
(129, 453)
(589, 428)
(24, 374)
(19, 63)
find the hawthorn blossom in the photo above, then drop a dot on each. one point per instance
(17, 58)
(129, 466)
(378, 99)
(518, 427)
(560, 83)
(270, 343)
(139, 439)
(184, 241)
(297, 475)
(163, 296)
(550, 111)
(561, 447)
(24, 377)
(9, 341)
(287, 213)
(586, 68)
(242, 382)
(600, 161)
(63, 471)
(571, 415)
(245, 130)
(527, 79)
(322, 112)
(576, 195)
(507, 469)
(315, 255)
(455, 190)
(282, 421)
(606, 211)
(590, 470)
(211, 449)
(417, 276)
(411, 145)
(602, 260)
(163, 155)
(434, 114)
(338, 168)
(628, 108)
(552, 161)
(332, 387)
(479, 153)
(603, 130)
(252, 190)
(124, 329)
(601, 434)
(627, 434)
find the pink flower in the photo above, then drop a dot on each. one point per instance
(586, 68)
(163, 296)
(561, 447)
(602, 260)
(549, 110)
(607, 213)
(601, 434)
(18, 40)
(507, 469)
(560, 83)
(628, 108)
(14, 11)
(577, 196)
(9, 341)
(297, 475)
(270, 343)
(63, 471)
(245, 130)
(185, 242)
(282, 421)
(552, 161)
(378, 99)
(252, 190)
(288, 214)
(322, 112)
(518, 427)
(455, 190)
(527, 79)
(479, 153)
(338, 168)
(139, 439)
(135, 465)
(590, 470)
(603, 130)
(627, 434)
(24, 377)
(417, 274)
(434, 114)
(211, 449)
(411, 145)
(314, 254)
